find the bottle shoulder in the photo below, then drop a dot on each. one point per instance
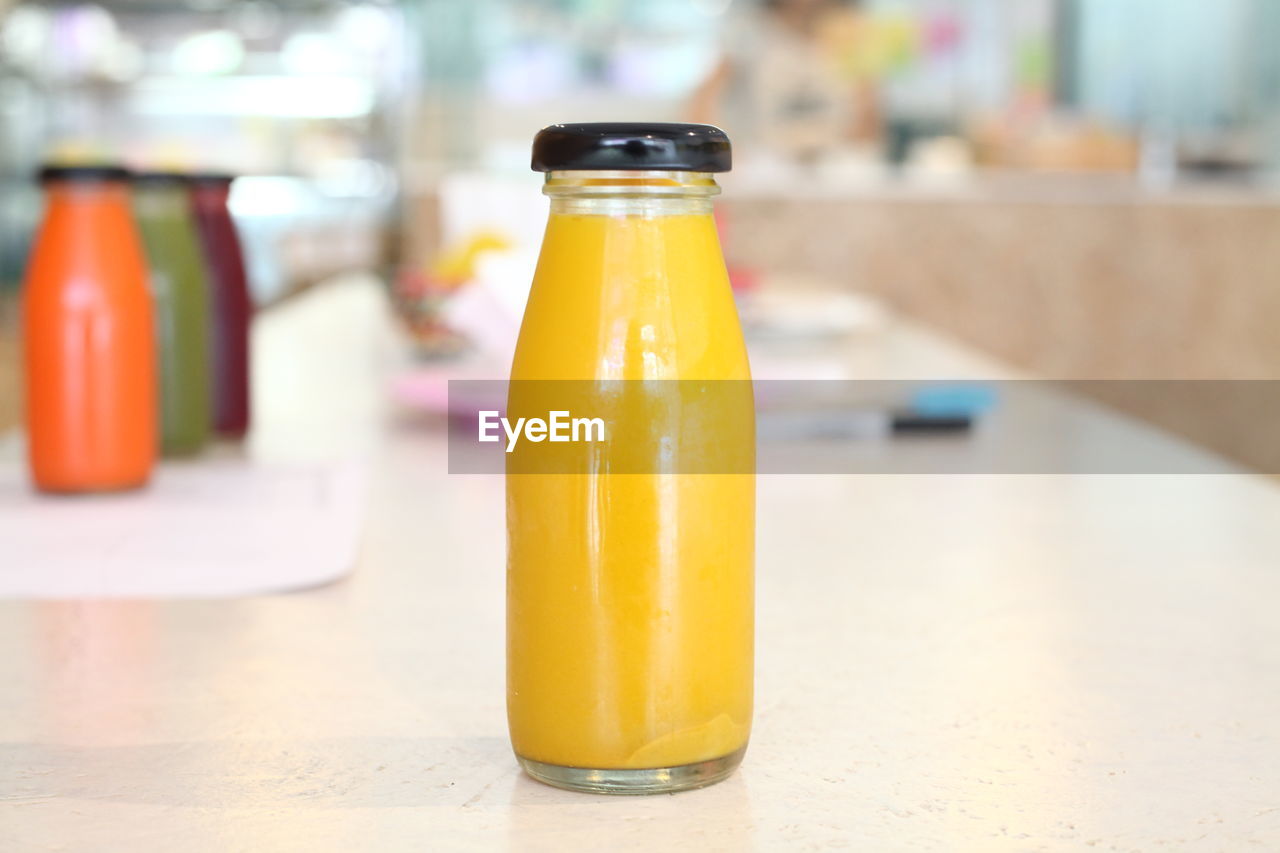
(631, 298)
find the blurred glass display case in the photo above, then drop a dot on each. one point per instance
(304, 97)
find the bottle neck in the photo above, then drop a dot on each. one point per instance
(86, 193)
(161, 199)
(211, 196)
(619, 193)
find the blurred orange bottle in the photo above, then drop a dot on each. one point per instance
(89, 338)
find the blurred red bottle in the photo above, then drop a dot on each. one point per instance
(231, 306)
(88, 337)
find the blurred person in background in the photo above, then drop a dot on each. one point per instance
(790, 80)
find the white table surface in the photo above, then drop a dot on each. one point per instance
(944, 663)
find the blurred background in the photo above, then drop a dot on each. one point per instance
(1082, 188)
(984, 191)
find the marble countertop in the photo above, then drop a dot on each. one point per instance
(944, 663)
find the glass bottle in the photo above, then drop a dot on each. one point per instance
(230, 303)
(630, 595)
(88, 338)
(181, 303)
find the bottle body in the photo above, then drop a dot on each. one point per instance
(630, 596)
(181, 304)
(89, 344)
(231, 306)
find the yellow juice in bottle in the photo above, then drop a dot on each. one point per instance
(630, 595)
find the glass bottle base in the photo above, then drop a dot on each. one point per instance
(657, 780)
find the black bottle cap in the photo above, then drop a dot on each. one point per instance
(89, 174)
(631, 146)
(216, 178)
(163, 178)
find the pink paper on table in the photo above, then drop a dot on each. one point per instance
(208, 529)
(426, 389)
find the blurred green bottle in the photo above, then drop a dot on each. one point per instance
(181, 294)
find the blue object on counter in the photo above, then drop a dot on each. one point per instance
(957, 400)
